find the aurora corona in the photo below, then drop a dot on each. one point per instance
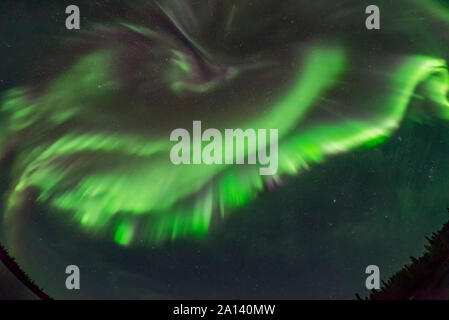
(92, 142)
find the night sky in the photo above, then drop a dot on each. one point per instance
(309, 237)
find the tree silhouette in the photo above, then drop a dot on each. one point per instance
(11, 264)
(425, 278)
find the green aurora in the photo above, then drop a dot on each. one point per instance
(110, 199)
(158, 188)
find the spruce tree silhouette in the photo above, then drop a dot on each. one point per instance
(426, 278)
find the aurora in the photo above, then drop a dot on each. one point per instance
(92, 140)
(86, 117)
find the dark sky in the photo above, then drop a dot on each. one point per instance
(310, 238)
